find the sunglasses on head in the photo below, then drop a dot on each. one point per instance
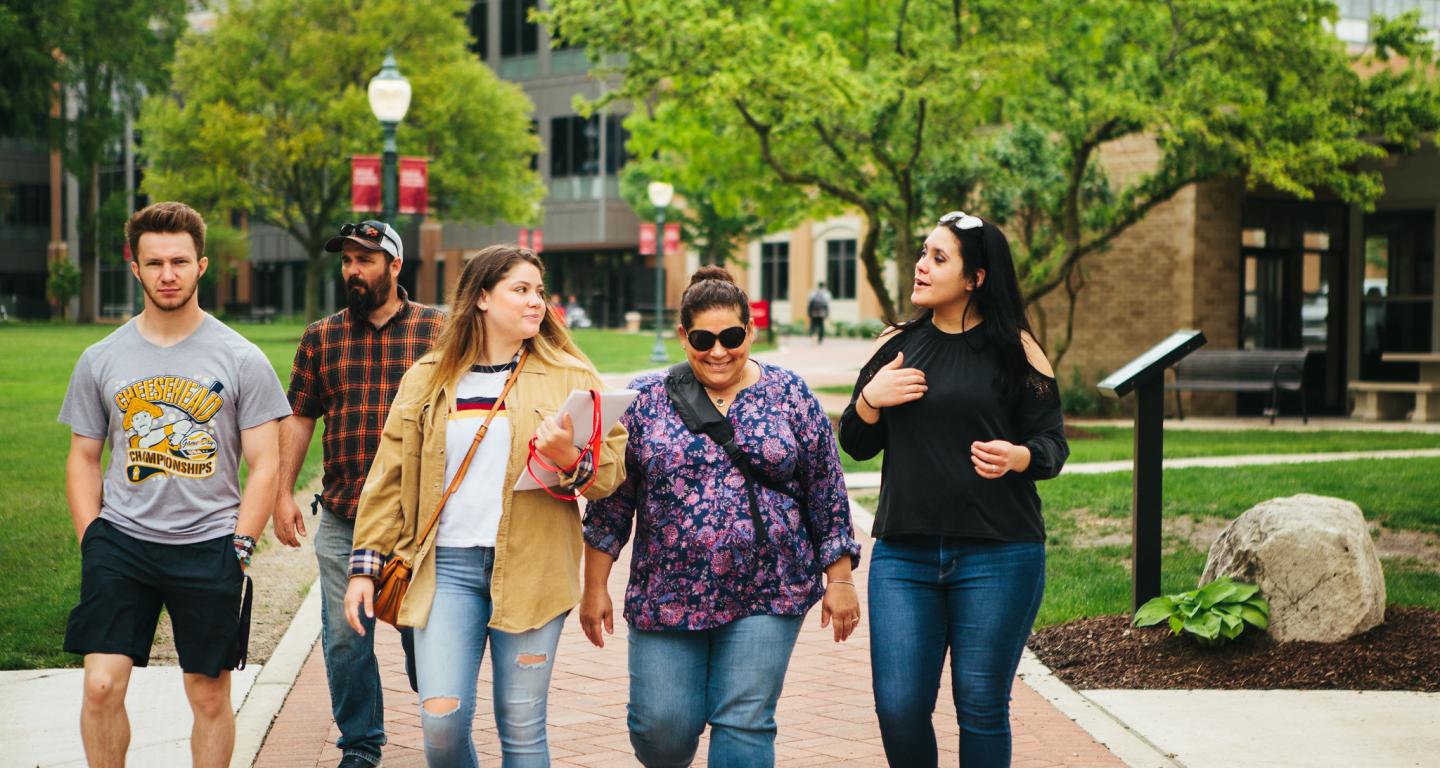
(961, 220)
(366, 230)
(730, 338)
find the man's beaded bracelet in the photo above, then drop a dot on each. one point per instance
(244, 548)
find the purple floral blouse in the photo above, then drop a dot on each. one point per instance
(695, 563)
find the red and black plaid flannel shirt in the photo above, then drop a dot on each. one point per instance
(347, 370)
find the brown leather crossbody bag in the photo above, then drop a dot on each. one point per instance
(394, 579)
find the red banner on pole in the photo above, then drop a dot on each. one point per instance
(647, 239)
(414, 186)
(760, 314)
(523, 239)
(537, 241)
(672, 238)
(365, 183)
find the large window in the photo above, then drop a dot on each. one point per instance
(518, 35)
(616, 137)
(775, 271)
(24, 205)
(478, 22)
(840, 268)
(574, 146)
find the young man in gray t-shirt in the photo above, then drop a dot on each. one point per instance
(179, 397)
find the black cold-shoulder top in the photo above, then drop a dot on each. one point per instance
(929, 486)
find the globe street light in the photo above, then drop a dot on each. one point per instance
(660, 196)
(389, 100)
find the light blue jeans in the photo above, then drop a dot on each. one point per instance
(448, 651)
(729, 676)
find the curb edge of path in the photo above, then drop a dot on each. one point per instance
(272, 686)
(1107, 729)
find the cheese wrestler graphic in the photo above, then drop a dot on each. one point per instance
(164, 422)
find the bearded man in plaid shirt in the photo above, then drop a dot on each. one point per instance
(346, 370)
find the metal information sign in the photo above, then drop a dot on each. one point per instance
(1145, 375)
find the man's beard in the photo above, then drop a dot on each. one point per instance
(367, 297)
(172, 304)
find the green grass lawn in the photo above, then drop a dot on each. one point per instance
(39, 558)
(1086, 580)
(1118, 443)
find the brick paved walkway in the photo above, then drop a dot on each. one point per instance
(826, 715)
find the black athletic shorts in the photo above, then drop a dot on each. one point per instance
(124, 581)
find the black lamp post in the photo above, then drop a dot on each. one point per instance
(660, 196)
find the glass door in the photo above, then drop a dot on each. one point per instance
(1293, 291)
(1399, 286)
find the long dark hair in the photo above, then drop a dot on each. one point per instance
(996, 300)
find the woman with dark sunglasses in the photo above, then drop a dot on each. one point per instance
(715, 601)
(963, 402)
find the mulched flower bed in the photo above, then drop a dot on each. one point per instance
(1403, 654)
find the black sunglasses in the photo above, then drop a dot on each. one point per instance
(368, 230)
(730, 338)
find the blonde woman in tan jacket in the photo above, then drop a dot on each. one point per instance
(501, 566)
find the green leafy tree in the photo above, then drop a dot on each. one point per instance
(902, 109)
(839, 100)
(268, 107)
(63, 283)
(30, 68)
(725, 197)
(1223, 88)
(108, 57)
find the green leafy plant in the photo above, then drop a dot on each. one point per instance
(63, 283)
(1215, 613)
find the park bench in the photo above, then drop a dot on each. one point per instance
(1243, 370)
(1380, 400)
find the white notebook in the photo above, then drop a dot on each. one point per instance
(582, 417)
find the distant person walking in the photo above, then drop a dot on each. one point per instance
(180, 398)
(963, 402)
(819, 311)
(346, 371)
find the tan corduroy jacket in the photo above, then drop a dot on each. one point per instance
(537, 549)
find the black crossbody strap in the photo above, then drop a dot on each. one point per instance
(702, 417)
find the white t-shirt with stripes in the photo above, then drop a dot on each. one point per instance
(471, 516)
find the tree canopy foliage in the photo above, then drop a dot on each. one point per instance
(902, 109)
(268, 107)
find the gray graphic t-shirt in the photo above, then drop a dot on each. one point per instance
(173, 417)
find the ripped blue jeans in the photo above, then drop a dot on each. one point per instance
(447, 655)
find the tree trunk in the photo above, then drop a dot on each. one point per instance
(904, 253)
(314, 280)
(89, 251)
(873, 274)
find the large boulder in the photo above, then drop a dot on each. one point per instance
(1314, 561)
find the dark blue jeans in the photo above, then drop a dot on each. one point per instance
(978, 600)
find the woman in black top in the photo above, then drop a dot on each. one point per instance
(963, 403)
